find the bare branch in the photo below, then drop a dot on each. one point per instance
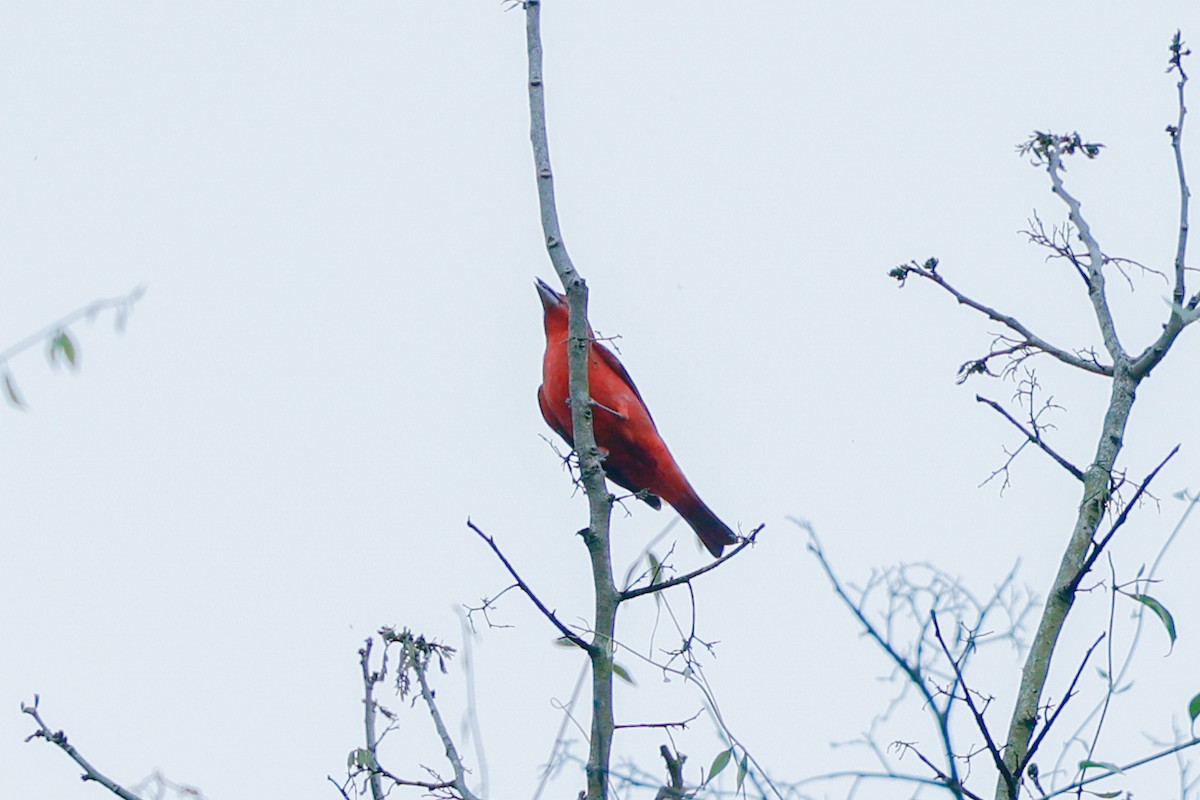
(567, 633)
(629, 594)
(1034, 437)
(1052, 148)
(1182, 314)
(944, 780)
(681, 724)
(1178, 51)
(59, 739)
(1058, 241)
(486, 606)
(980, 723)
(952, 780)
(1016, 352)
(674, 789)
(369, 708)
(929, 272)
(1070, 693)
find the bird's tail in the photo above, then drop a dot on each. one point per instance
(714, 533)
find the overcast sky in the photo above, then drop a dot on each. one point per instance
(332, 209)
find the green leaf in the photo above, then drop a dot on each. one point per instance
(10, 391)
(1107, 766)
(719, 763)
(360, 758)
(1161, 611)
(64, 344)
(655, 569)
(1194, 708)
(741, 772)
(623, 674)
(1106, 795)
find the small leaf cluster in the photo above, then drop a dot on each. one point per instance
(1179, 50)
(1042, 144)
(901, 272)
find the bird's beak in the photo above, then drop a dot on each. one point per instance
(550, 298)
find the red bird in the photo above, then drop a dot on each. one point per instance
(636, 457)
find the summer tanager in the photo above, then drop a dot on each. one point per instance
(635, 456)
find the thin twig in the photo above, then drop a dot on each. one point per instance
(1034, 438)
(629, 594)
(1123, 768)
(1124, 515)
(952, 781)
(682, 724)
(338, 786)
(929, 272)
(944, 780)
(1070, 693)
(122, 304)
(980, 722)
(567, 633)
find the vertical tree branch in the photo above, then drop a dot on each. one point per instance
(1181, 314)
(590, 461)
(1096, 495)
(1127, 373)
(1176, 133)
(1096, 259)
(369, 680)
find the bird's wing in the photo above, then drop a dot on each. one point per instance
(616, 366)
(553, 420)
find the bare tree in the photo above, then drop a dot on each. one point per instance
(935, 660)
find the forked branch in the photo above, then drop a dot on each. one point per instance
(1029, 339)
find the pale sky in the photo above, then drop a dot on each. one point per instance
(333, 211)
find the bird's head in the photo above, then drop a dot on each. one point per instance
(550, 298)
(555, 306)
